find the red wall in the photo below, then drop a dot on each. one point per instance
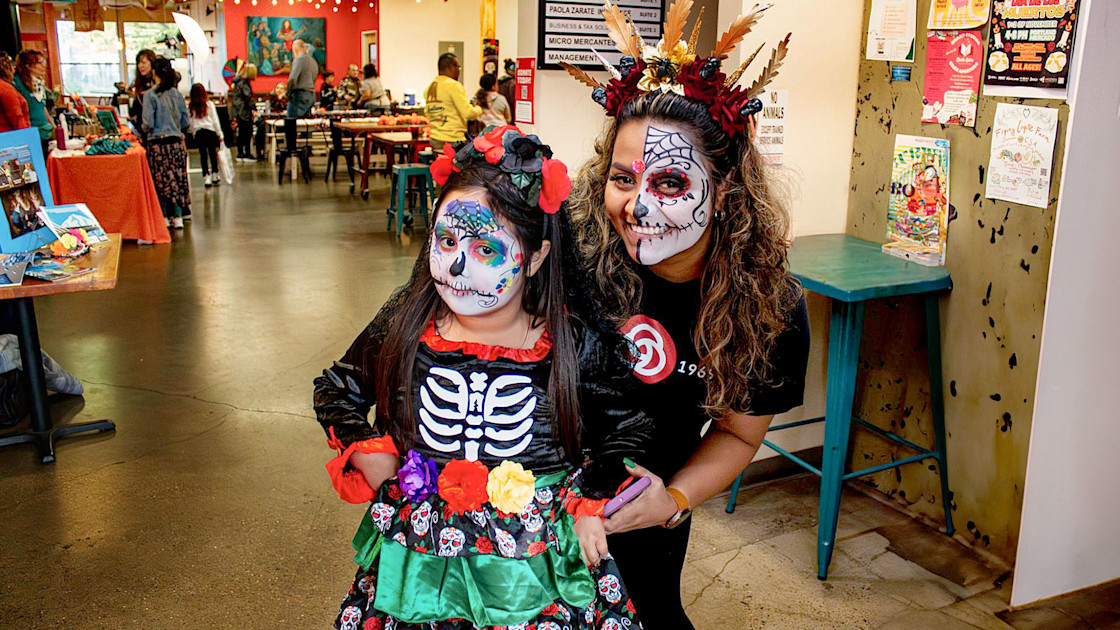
(344, 30)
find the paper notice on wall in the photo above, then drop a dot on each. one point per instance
(890, 30)
(1022, 156)
(957, 14)
(524, 94)
(1031, 43)
(954, 62)
(771, 138)
(918, 206)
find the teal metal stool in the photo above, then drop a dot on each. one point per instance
(404, 179)
(850, 272)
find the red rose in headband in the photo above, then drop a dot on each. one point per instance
(555, 185)
(444, 165)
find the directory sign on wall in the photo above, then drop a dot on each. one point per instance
(573, 31)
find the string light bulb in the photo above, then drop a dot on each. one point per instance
(354, 9)
(335, 9)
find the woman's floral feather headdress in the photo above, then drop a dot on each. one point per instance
(542, 180)
(673, 66)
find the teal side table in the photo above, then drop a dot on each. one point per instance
(850, 272)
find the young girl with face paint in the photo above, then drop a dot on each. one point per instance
(684, 241)
(491, 373)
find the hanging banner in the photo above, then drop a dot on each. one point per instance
(771, 138)
(954, 62)
(1022, 155)
(890, 30)
(524, 90)
(1031, 42)
(957, 14)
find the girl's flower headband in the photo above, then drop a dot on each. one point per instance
(542, 180)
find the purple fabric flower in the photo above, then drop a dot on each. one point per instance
(418, 477)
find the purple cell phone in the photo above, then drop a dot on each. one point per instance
(628, 494)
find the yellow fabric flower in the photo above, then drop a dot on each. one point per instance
(510, 487)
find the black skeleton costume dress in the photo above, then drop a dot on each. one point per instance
(423, 566)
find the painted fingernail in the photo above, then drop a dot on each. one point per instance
(629, 462)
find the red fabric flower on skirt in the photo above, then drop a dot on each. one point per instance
(444, 165)
(462, 484)
(555, 185)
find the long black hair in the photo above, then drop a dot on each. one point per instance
(167, 76)
(547, 298)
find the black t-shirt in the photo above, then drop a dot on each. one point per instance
(672, 384)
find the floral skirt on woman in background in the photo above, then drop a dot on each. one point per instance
(167, 159)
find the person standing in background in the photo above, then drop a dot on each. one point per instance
(506, 83)
(243, 109)
(13, 107)
(374, 97)
(31, 69)
(495, 108)
(144, 80)
(350, 88)
(206, 129)
(447, 105)
(165, 118)
(301, 81)
(327, 93)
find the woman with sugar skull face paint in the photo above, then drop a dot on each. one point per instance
(684, 241)
(494, 372)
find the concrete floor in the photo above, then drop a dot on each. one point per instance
(209, 506)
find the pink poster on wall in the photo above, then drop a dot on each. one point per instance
(954, 62)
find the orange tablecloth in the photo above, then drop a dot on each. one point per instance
(117, 188)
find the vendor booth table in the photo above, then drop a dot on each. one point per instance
(105, 257)
(118, 189)
(851, 272)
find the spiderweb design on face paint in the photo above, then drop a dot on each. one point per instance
(471, 218)
(661, 145)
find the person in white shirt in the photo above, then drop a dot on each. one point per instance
(207, 131)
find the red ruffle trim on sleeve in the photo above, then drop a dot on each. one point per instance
(538, 352)
(580, 507)
(351, 484)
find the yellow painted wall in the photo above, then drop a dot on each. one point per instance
(998, 255)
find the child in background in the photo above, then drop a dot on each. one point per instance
(207, 131)
(495, 108)
(491, 372)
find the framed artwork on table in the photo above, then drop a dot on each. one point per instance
(270, 41)
(24, 187)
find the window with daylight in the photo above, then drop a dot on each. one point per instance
(90, 61)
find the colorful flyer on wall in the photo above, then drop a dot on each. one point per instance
(954, 61)
(957, 14)
(1031, 42)
(890, 30)
(771, 138)
(1022, 155)
(918, 210)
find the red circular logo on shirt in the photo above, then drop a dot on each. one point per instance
(656, 354)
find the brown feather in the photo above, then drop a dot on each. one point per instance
(621, 31)
(695, 32)
(580, 75)
(771, 69)
(674, 23)
(737, 31)
(734, 78)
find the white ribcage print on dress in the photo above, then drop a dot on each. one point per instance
(459, 417)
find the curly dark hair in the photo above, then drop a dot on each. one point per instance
(747, 289)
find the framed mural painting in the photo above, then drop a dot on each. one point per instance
(270, 41)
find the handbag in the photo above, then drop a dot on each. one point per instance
(225, 163)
